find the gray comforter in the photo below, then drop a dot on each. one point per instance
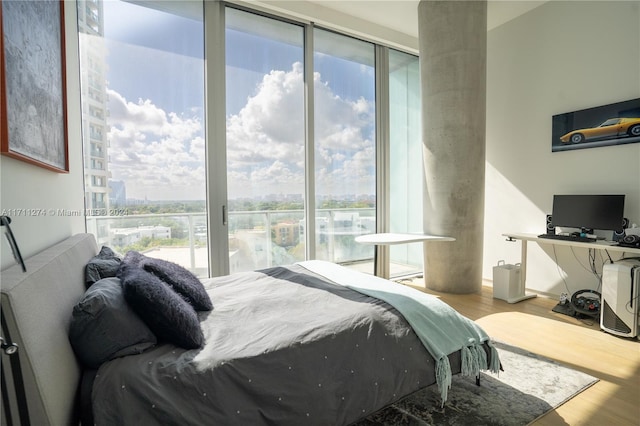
(284, 346)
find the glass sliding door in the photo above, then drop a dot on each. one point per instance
(344, 137)
(143, 100)
(405, 158)
(142, 90)
(265, 140)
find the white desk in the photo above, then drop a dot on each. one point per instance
(392, 238)
(600, 244)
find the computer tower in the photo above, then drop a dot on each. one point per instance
(619, 308)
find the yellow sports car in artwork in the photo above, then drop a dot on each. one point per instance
(611, 128)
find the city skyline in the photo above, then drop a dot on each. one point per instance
(279, 197)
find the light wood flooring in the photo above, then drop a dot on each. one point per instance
(579, 344)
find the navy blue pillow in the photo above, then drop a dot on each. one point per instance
(181, 280)
(133, 258)
(103, 265)
(103, 325)
(167, 314)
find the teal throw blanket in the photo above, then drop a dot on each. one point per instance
(441, 329)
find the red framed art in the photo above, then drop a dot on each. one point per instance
(33, 113)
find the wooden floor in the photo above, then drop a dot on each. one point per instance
(579, 344)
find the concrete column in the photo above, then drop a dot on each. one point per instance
(453, 52)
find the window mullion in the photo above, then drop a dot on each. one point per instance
(310, 194)
(218, 235)
(382, 156)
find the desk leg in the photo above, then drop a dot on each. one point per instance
(523, 276)
(380, 262)
(375, 261)
(523, 267)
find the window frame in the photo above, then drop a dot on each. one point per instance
(217, 196)
(215, 131)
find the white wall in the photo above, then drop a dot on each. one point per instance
(557, 58)
(24, 186)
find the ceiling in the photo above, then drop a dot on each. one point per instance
(398, 15)
(402, 16)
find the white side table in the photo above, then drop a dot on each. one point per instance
(392, 238)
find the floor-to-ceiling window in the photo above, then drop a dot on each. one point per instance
(265, 118)
(345, 145)
(265, 108)
(299, 140)
(405, 158)
(142, 82)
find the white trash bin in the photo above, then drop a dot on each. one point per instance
(506, 281)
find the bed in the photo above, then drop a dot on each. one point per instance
(310, 343)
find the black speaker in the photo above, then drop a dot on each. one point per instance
(551, 230)
(631, 241)
(620, 234)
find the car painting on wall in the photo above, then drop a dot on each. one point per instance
(606, 125)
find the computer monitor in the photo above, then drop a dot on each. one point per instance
(588, 212)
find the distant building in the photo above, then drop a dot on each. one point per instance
(350, 223)
(127, 236)
(94, 106)
(321, 229)
(286, 234)
(118, 193)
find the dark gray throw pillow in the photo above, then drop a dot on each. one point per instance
(133, 258)
(167, 314)
(103, 265)
(103, 325)
(181, 280)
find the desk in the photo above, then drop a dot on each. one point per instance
(392, 238)
(599, 244)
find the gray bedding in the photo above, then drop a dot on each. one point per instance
(284, 346)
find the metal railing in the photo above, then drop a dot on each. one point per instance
(257, 238)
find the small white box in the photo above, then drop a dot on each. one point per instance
(506, 281)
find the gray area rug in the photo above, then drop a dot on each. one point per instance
(529, 386)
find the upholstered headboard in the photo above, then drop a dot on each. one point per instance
(36, 313)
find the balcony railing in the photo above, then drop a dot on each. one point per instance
(257, 239)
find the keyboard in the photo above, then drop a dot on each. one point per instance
(567, 238)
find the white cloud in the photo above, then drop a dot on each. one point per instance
(160, 154)
(266, 140)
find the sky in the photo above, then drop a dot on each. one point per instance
(156, 112)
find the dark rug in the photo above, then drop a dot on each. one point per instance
(529, 386)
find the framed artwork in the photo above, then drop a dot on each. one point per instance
(33, 116)
(606, 125)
